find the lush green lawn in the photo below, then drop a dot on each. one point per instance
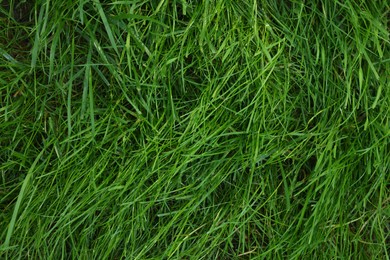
(214, 129)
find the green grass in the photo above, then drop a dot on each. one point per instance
(180, 129)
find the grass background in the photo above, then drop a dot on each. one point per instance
(194, 129)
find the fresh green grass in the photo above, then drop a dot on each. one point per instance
(181, 129)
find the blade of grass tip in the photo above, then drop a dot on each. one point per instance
(34, 51)
(81, 11)
(106, 25)
(139, 43)
(184, 5)
(204, 25)
(53, 51)
(371, 65)
(69, 101)
(265, 51)
(91, 102)
(361, 78)
(86, 82)
(7, 56)
(20, 198)
(47, 5)
(378, 95)
(159, 7)
(377, 43)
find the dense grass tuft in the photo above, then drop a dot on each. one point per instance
(214, 129)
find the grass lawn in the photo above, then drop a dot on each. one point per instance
(183, 129)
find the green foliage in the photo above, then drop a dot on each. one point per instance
(212, 129)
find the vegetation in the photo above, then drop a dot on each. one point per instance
(181, 129)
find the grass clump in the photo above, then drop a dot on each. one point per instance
(194, 129)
